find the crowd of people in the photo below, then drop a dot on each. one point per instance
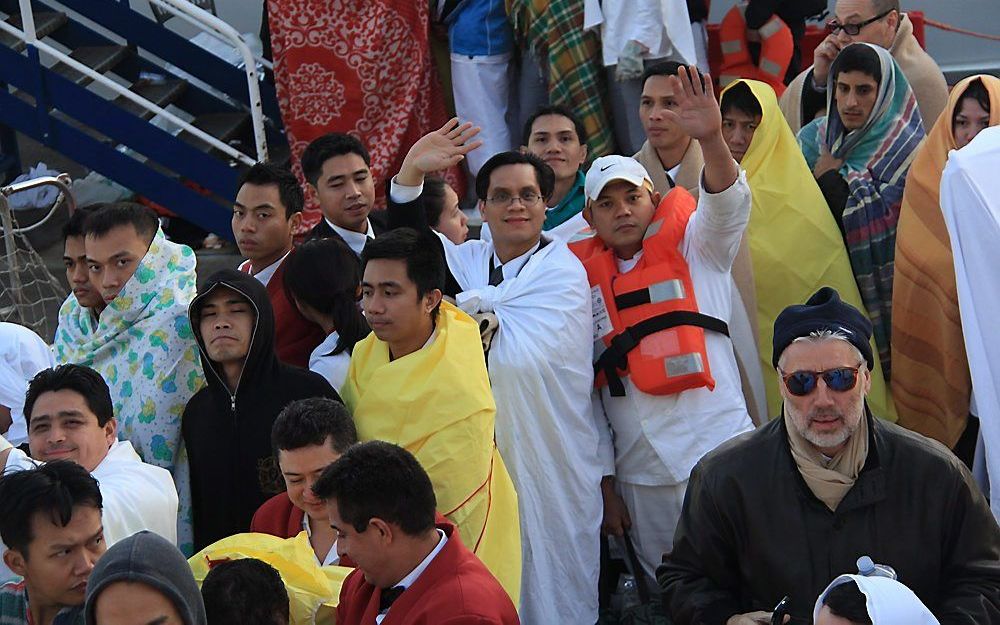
(700, 355)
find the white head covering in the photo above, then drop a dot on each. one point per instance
(22, 354)
(888, 601)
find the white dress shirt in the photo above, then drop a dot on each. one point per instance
(332, 558)
(333, 368)
(265, 274)
(355, 240)
(411, 578)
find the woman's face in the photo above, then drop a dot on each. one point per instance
(970, 119)
(453, 222)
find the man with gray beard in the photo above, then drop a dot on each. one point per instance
(785, 509)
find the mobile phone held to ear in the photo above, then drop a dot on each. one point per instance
(780, 610)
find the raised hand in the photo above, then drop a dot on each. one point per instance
(438, 150)
(823, 57)
(697, 111)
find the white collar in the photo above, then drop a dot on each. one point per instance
(355, 240)
(331, 559)
(513, 267)
(265, 274)
(411, 579)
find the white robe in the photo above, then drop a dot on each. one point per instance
(556, 451)
(136, 496)
(22, 354)
(970, 190)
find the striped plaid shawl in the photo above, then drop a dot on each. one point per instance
(877, 158)
(571, 58)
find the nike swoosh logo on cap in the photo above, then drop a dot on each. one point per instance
(607, 167)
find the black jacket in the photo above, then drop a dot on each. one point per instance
(752, 532)
(412, 215)
(228, 436)
(322, 230)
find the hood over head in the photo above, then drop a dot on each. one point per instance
(261, 357)
(149, 559)
(888, 601)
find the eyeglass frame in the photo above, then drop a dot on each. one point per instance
(819, 376)
(499, 203)
(834, 26)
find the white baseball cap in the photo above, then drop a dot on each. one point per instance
(609, 168)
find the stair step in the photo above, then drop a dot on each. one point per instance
(159, 93)
(46, 22)
(223, 126)
(99, 58)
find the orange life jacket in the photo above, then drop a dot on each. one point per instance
(776, 49)
(647, 320)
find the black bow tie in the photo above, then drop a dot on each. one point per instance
(389, 595)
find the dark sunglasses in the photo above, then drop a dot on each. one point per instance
(853, 29)
(801, 383)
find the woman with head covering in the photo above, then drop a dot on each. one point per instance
(860, 153)
(931, 381)
(795, 245)
(22, 354)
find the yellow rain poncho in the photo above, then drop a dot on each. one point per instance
(795, 244)
(437, 404)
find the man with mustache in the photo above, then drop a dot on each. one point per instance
(266, 212)
(782, 510)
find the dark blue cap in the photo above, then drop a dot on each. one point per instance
(823, 311)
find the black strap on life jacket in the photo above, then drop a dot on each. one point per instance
(615, 356)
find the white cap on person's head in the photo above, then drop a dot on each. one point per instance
(615, 167)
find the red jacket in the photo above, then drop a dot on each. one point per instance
(295, 336)
(455, 589)
(279, 517)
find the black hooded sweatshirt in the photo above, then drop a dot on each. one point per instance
(228, 435)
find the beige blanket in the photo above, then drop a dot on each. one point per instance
(921, 71)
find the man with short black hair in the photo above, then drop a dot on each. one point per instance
(266, 213)
(440, 408)
(69, 415)
(878, 22)
(307, 436)
(50, 518)
(782, 510)
(539, 364)
(381, 503)
(143, 346)
(741, 114)
(77, 270)
(227, 425)
(246, 590)
(337, 168)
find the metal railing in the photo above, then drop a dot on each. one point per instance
(62, 182)
(192, 13)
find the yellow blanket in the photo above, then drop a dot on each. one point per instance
(795, 245)
(930, 372)
(313, 590)
(437, 403)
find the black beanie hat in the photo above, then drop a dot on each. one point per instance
(823, 311)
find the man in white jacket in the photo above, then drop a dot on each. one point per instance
(69, 415)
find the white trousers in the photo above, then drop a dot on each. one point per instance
(481, 85)
(655, 512)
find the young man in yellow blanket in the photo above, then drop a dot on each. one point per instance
(419, 381)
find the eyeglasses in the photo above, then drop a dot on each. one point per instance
(853, 29)
(839, 380)
(503, 200)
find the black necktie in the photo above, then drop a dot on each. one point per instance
(496, 274)
(670, 180)
(389, 595)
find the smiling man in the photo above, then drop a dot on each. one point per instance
(266, 212)
(337, 168)
(308, 436)
(538, 363)
(227, 425)
(381, 504)
(823, 485)
(878, 22)
(50, 518)
(143, 346)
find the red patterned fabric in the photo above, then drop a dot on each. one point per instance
(362, 67)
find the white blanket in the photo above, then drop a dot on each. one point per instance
(556, 452)
(22, 354)
(970, 201)
(136, 496)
